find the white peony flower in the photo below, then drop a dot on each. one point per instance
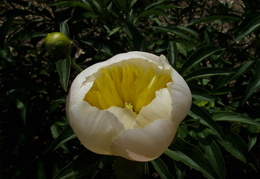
(130, 106)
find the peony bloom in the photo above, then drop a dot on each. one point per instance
(130, 106)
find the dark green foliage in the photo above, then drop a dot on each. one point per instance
(213, 44)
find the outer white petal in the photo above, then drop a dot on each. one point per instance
(95, 128)
(181, 97)
(145, 144)
(78, 81)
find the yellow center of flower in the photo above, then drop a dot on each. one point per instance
(128, 84)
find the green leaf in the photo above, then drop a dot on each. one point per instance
(205, 72)
(135, 38)
(254, 82)
(174, 31)
(114, 30)
(234, 117)
(85, 162)
(6, 54)
(24, 35)
(212, 152)
(235, 145)
(252, 136)
(201, 94)
(223, 80)
(172, 54)
(63, 68)
(210, 18)
(198, 56)
(65, 135)
(251, 27)
(84, 5)
(206, 120)
(162, 169)
(191, 156)
(64, 28)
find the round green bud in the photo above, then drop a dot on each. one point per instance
(57, 45)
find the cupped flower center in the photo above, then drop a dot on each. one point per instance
(129, 84)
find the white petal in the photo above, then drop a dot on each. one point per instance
(159, 108)
(145, 144)
(160, 60)
(78, 81)
(130, 55)
(181, 97)
(150, 56)
(126, 116)
(96, 129)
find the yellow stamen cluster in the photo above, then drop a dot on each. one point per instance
(130, 83)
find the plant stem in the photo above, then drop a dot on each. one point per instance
(75, 66)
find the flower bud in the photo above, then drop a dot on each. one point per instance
(57, 45)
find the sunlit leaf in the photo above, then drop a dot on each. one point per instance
(234, 117)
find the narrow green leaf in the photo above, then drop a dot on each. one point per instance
(188, 30)
(191, 155)
(85, 162)
(210, 18)
(86, 5)
(174, 31)
(180, 169)
(64, 28)
(206, 120)
(205, 72)
(6, 54)
(252, 136)
(63, 68)
(212, 152)
(235, 145)
(114, 30)
(162, 169)
(65, 135)
(223, 80)
(172, 54)
(254, 82)
(198, 56)
(135, 38)
(251, 27)
(41, 173)
(234, 117)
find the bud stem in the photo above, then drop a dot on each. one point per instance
(75, 66)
